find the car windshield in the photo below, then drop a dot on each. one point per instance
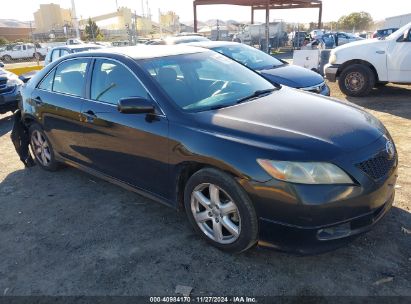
(205, 81)
(249, 56)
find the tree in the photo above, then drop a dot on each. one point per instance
(359, 21)
(3, 41)
(93, 31)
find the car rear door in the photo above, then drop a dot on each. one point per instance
(132, 148)
(58, 100)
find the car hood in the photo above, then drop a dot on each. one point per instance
(292, 76)
(361, 43)
(308, 125)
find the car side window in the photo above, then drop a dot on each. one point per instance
(55, 55)
(63, 52)
(70, 77)
(47, 82)
(112, 81)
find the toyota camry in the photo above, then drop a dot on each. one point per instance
(247, 160)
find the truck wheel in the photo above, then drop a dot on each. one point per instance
(7, 58)
(356, 80)
(37, 56)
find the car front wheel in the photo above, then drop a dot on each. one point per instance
(220, 211)
(356, 80)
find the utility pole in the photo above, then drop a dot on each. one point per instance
(218, 30)
(74, 17)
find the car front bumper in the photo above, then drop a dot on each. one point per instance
(315, 218)
(330, 72)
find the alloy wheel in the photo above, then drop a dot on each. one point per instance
(216, 213)
(40, 148)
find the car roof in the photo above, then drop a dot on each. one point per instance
(212, 44)
(148, 51)
(78, 46)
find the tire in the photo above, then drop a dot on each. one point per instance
(45, 158)
(356, 80)
(37, 56)
(7, 58)
(229, 212)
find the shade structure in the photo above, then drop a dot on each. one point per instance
(266, 5)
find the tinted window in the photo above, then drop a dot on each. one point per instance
(55, 55)
(112, 81)
(47, 82)
(70, 77)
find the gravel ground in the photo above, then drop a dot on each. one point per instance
(68, 233)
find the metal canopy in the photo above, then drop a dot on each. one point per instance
(263, 5)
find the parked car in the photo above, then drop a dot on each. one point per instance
(271, 68)
(10, 86)
(344, 38)
(193, 129)
(316, 34)
(382, 33)
(297, 38)
(362, 65)
(60, 51)
(178, 40)
(24, 51)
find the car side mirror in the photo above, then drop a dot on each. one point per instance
(135, 105)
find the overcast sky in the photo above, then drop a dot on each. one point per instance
(332, 9)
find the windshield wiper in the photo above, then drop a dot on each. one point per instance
(256, 94)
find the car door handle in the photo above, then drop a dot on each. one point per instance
(380, 52)
(90, 115)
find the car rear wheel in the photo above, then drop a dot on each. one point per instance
(42, 149)
(356, 80)
(7, 58)
(220, 211)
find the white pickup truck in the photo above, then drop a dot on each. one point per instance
(361, 66)
(21, 51)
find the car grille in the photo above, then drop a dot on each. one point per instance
(378, 166)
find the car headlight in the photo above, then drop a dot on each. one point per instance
(13, 80)
(333, 58)
(305, 172)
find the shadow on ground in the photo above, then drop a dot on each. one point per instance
(67, 233)
(395, 100)
(6, 124)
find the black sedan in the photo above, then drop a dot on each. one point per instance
(273, 69)
(193, 129)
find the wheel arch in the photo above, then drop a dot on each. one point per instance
(358, 61)
(188, 169)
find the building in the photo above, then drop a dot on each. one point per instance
(51, 17)
(170, 21)
(13, 30)
(397, 21)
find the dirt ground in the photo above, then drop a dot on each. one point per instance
(68, 233)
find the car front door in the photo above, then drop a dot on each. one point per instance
(58, 100)
(399, 59)
(132, 148)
